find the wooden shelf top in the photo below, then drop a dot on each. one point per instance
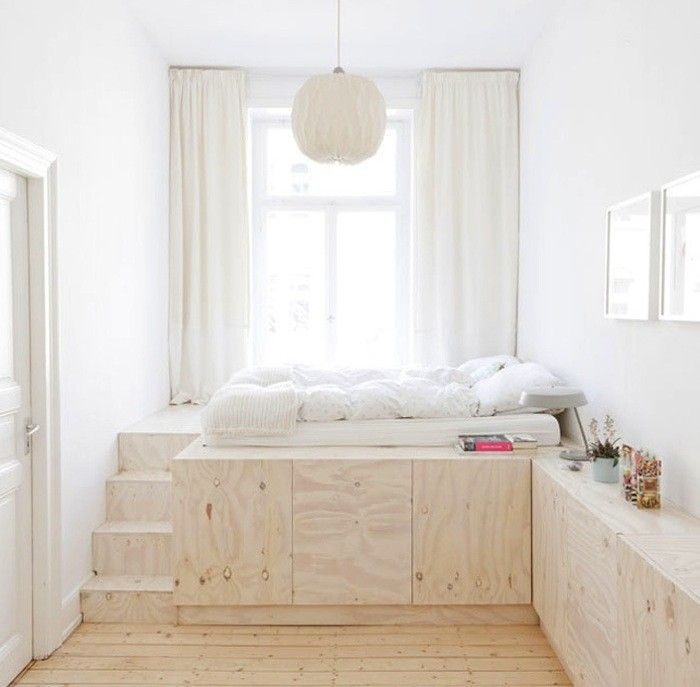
(195, 451)
(676, 556)
(607, 502)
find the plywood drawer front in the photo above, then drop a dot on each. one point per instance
(660, 625)
(232, 532)
(549, 588)
(471, 531)
(352, 532)
(590, 640)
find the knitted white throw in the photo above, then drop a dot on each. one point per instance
(252, 410)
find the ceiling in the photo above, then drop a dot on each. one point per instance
(379, 36)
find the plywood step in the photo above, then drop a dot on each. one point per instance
(128, 599)
(139, 495)
(132, 548)
(149, 451)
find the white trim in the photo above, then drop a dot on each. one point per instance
(652, 199)
(277, 90)
(662, 252)
(40, 168)
(71, 615)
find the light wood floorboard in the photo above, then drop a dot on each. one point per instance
(115, 654)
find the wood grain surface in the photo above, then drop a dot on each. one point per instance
(232, 532)
(471, 531)
(352, 532)
(167, 655)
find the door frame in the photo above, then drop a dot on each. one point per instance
(39, 166)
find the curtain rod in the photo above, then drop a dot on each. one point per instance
(396, 73)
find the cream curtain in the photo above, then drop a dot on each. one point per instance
(209, 253)
(465, 249)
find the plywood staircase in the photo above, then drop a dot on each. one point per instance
(132, 550)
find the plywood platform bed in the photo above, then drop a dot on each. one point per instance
(284, 512)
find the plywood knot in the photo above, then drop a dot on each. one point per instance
(227, 573)
(687, 645)
(449, 586)
(208, 510)
(478, 582)
(262, 486)
(176, 581)
(108, 596)
(217, 481)
(424, 510)
(648, 606)
(419, 576)
(670, 612)
(357, 484)
(265, 575)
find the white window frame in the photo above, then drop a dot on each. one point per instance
(261, 119)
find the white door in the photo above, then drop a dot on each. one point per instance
(15, 445)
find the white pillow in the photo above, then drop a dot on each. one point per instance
(502, 390)
(438, 375)
(474, 364)
(484, 372)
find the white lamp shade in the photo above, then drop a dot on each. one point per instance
(554, 397)
(339, 117)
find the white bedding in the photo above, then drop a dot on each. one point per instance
(432, 432)
(258, 402)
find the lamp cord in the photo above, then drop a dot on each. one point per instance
(337, 35)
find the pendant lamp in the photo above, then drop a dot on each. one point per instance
(339, 117)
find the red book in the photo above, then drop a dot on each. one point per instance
(493, 446)
(485, 442)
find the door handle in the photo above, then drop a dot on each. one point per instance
(29, 430)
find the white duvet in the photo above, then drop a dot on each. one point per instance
(260, 401)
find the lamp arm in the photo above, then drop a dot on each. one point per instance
(580, 426)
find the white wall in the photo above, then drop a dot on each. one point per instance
(610, 109)
(80, 78)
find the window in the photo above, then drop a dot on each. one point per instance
(330, 249)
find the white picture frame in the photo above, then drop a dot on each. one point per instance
(679, 250)
(632, 230)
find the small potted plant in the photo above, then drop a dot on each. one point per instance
(604, 452)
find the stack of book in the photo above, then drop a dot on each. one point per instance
(496, 442)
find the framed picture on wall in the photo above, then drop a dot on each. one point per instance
(680, 249)
(631, 265)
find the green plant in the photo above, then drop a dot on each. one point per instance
(604, 446)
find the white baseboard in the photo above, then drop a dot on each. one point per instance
(71, 615)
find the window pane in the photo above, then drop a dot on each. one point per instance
(366, 289)
(295, 318)
(290, 173)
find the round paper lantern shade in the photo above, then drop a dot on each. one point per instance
(339, 117)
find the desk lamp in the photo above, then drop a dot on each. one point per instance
(555, 398)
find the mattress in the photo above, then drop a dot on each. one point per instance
(406, 432)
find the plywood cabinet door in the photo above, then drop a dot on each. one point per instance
(549, 588)
(590, 640)
(471, 531)
(232, 532)
(352, 532)
(660, 625)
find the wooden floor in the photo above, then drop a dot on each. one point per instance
(396, 656)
